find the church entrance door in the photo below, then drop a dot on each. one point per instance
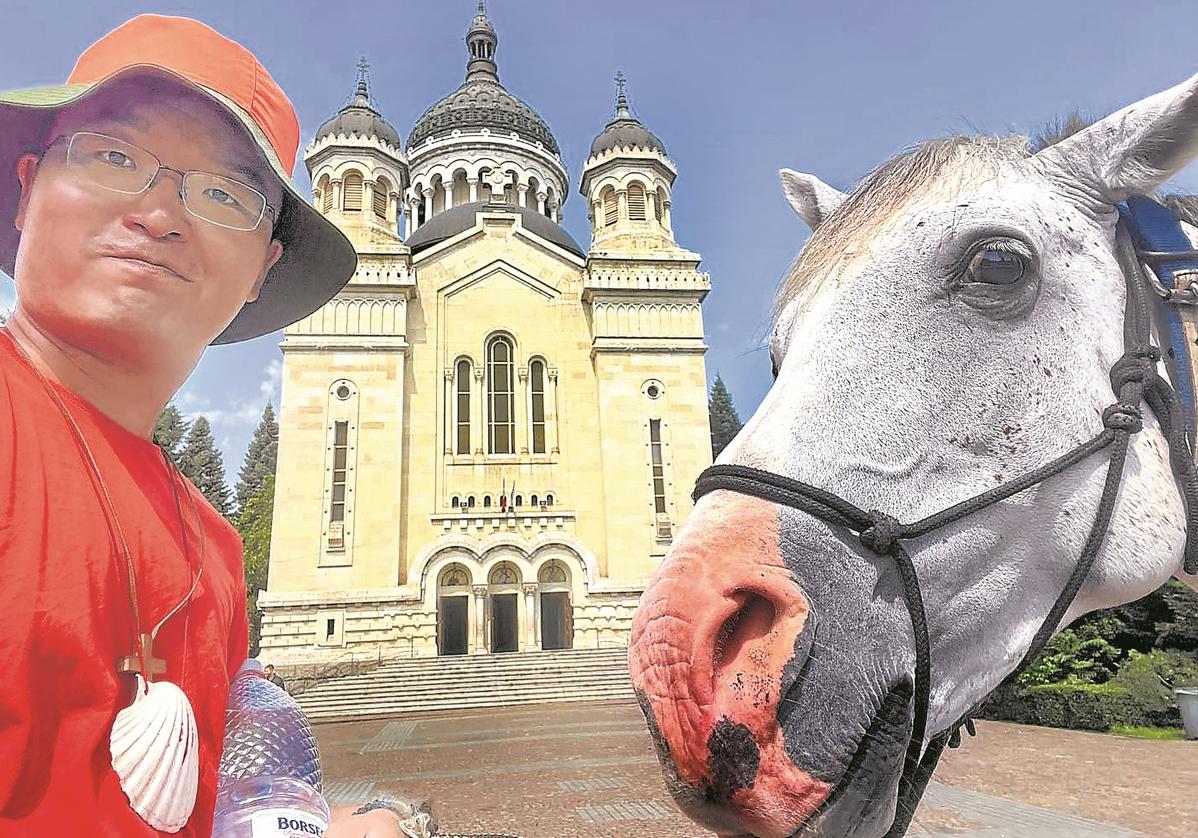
(556, 631)
(452, 619)
(505, 623)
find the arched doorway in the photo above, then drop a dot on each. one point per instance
(453, 610)
(503, 607)
(557, 613)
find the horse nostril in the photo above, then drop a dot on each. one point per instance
(753, 620)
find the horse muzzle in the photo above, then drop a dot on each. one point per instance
(719, 624)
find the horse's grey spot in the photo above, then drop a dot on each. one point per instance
(732, 759)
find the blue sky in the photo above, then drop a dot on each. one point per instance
(736, 90)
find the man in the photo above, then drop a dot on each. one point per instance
(146, 211)
(274, 677)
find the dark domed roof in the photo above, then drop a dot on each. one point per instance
(481, 101)
(621, 133)
(625, 130)
(360, 118)
(448, 224)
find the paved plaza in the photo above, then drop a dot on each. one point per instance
(588, 770)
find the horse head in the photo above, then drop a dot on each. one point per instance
(950, 325)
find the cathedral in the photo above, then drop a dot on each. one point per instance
(488, 439)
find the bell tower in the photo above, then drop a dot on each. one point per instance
(627, 180)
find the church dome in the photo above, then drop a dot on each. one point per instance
(360, 118)
(481, 101)
(625, 130)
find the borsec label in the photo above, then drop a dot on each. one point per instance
(286, 823)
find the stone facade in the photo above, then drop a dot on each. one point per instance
(488, 439)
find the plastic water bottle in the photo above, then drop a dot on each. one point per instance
(269, 782)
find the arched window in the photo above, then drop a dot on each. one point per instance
(533, 500)
(325, 192)
(553, 573)
(519, 501)
(351, 198)
(505, 574)
(549, 499)
(658, 205)
(536, 386)
(501, 428)
(470, 502)
(610, 207)
(454, 576)
(462, 389)
(636, 202)
(382, 189)
(486, 501)
(455, 502)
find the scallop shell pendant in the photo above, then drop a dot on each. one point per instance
(155, 752)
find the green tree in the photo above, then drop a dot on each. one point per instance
(202, 464)
(260, 458)
(254, 522)
(170, 429)
(725, 423)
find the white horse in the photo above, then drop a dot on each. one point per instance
(949, 326)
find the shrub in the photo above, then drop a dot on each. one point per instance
(1136, 696)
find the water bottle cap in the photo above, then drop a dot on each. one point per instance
(251, 665)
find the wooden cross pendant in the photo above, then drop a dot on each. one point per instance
(132, 663)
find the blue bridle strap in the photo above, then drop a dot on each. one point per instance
(1163, 247)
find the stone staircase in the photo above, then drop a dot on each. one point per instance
(418, 685)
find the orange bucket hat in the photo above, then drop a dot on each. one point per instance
(317, 258)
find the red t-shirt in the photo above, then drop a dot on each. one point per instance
(65, 616)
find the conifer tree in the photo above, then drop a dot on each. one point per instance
(725, 424)
(170, 429)
(254, 524)
(260, 458)
(202, 464)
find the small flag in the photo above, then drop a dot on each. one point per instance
(503, 497)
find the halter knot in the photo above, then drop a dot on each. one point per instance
(1122, 416)
(1139, 365)
(882, 533)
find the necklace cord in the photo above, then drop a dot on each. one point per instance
(115, 521)
(1134, 380)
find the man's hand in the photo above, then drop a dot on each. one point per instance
(377, 823)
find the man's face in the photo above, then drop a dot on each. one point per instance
(137, 278)
(269, 669)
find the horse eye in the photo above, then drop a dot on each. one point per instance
(995, 267)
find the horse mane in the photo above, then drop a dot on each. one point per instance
(880, 195)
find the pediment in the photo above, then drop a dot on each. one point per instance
(499, 272)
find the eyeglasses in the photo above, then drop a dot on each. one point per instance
(123, 167)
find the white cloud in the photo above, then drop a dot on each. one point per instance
(234, 421)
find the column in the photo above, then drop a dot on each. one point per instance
(622, 199)
(665, 214)
(478, 411)
(414, 214)
(522, 194)
(532, 637)
(521, 400)
(541, 196)
(480, 618)
(428, 203)
(551, 409)
(555, 215)
(473, 181)
(448, 191)
(336, 196)
(651, 204)
(368, 188)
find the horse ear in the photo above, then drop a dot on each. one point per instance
(1133, 150)
(810, 197)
